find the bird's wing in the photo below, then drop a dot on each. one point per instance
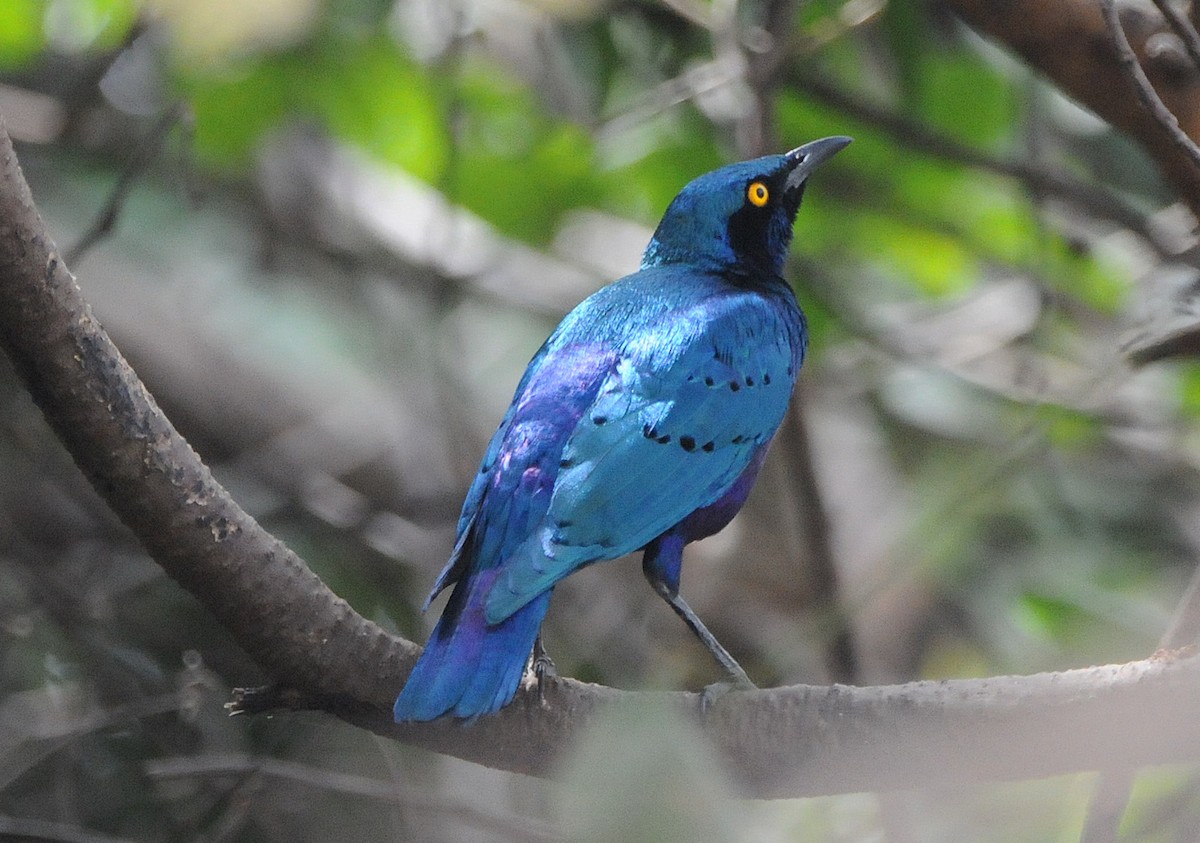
(674, 423)
(457, 564)
(511, 491)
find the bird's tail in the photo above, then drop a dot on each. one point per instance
(470, 668)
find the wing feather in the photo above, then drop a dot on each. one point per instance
(673, 425)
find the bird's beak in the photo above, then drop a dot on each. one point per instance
(805, 159)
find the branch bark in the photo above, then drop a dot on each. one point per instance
(784, 742)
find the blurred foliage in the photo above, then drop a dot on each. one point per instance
(332, 272)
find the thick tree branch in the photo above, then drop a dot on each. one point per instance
(784, 742)
(278, 610)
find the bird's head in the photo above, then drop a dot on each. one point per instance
(740, 215)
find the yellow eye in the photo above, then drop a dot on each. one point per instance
(758, 194)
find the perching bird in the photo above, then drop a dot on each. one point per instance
(641, 423)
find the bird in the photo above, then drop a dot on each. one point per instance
(640, 424)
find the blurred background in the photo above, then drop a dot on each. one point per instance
(330, 235)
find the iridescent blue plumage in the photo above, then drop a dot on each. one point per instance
(641, 423)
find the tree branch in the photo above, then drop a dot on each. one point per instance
(1094, 200)
(143, 157)
(1183, 28)
(1069, 42)
(1143, 88)
(278, 610)
(784, 742)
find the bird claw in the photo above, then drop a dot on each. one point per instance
(543, 670)
(714, 693)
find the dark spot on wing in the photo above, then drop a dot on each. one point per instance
(734, 386)
(650, 432)
(709, 381)
(707, 447)
(687, 443)
(599, 420)
(749, 381)
(766, 379)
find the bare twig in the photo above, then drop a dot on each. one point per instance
(840, 657)
(1146, 94)
(1183, 28)
(145, 154)
(240, 804)
(695, 81)
(40, 736)
(1066, 41)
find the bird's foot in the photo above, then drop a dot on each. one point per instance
(714, 693)
(543, 668)
(266, 698)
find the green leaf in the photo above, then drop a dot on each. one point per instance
(1067, 428)
(966, 98)
(1084, 276)
(906, 29)
(372, 95)
(76, 25)
(233, 112)
(21, 35)
(935, 262)
(1189, 388)
(1047, 616)
(515, 164)
(365, 92)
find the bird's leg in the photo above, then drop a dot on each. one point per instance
(735, 671)
(661, 564)
(543, 665)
